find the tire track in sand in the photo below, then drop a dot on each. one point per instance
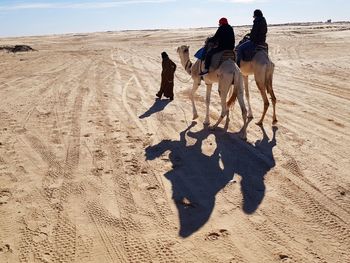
(57, 187)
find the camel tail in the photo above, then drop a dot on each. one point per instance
(268, 76)
(237, 82)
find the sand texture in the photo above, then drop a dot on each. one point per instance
(94, 169)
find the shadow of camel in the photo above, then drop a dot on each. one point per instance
(158, 105)
(196, 178)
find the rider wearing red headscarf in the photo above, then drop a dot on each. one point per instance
(225, 39)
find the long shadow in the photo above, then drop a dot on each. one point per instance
(196, 178)
(158, 105)
(252, 166)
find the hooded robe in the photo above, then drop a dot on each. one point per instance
(167, 83)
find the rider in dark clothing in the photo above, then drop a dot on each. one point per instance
(259, 30)
(225, 39)
(257, 35)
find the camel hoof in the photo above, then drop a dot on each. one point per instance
(259, 123)
(195, 116)
(242, 134)
(274, 122)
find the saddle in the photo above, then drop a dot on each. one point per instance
(220, 57)
(264, 47)
(248, 55)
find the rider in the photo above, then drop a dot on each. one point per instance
(225, 39)
(257, 35)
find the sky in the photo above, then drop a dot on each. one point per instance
(36, 17)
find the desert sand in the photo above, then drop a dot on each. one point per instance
(94, 169)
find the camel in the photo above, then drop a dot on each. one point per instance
(225, 75)
(262, 68)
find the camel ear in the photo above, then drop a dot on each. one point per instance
(188, 47)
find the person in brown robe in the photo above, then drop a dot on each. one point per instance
(167, 83)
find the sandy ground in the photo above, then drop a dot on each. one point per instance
(93, 169)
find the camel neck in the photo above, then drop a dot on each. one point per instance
(187, 64)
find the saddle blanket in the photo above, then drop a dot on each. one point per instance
(200, 54)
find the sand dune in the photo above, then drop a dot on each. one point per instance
(93, 169)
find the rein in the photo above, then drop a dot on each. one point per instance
(182, 80)
(188, 66)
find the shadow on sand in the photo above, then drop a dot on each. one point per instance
(158, 105)
(196, 178)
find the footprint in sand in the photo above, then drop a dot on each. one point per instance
(283, 257)
(97, 171)
(5, 195)
(5, 248)
(215, 235)
(99, 154)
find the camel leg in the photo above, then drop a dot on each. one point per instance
(273, 100)
(265, 99)
(246, 89)
(233, 97)
(224, 112)
(238, 93)
(244, 113)
(269, 76)
(230, 91)
(207, 101)
(193, 91)
(224, 108)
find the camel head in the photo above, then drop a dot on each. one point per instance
(184, 52)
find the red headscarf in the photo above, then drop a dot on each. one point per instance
(223, 21)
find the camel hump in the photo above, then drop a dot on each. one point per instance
(220, 57)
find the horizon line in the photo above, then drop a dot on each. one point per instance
(187, 28)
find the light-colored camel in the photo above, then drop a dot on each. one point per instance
(262, 68)
(225, 75)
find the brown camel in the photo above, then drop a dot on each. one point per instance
(262, 68)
